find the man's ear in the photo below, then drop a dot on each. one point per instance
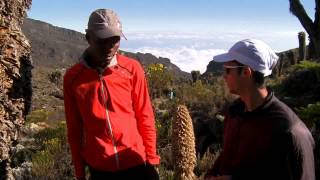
(247, 71)
(88, 37)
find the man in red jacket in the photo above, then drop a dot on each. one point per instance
(109, 115)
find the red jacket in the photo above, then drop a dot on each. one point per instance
(109, 117)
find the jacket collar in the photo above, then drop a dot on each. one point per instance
(83, 61)
(238, 106)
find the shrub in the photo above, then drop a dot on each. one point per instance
(311, 65)
(311, 115)
(37, 116)
(51, 133)
(159, 79)
(43, 161)
(205, 163)
(53, 160)
(302, 85)
(56, 77)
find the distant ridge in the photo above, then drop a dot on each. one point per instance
(57, 47)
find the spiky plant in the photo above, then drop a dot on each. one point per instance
(183, 145)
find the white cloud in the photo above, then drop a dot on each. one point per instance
(193, 51)
(182, 35)
(186, 58)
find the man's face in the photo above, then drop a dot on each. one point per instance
(103, 50)
(232, 76)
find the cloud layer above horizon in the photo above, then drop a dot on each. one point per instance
(194, 51)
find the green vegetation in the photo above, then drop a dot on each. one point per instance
(36, 116)
(56, 77)
(52, 160)
(307, 65)
(311, 115)
(159, 79)
(301, 86)
(300, 90)
(43, 161)
(204, 99)
(205, 163)
(48, 152)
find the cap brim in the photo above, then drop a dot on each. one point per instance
(226, 57)
(103, 33)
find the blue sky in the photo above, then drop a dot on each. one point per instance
(188, 32)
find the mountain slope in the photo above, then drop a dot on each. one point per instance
(57, 47)
(53, 46)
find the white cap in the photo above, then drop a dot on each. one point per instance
(251, 52)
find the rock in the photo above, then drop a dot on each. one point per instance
(23, 172)
(34, 128)
(15, 77)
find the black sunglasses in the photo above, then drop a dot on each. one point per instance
(227, 68)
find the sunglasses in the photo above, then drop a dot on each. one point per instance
(228, 68)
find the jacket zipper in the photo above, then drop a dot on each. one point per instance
(108, 121)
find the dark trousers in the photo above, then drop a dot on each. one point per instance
(143, 172)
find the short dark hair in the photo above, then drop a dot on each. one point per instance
(258, 77)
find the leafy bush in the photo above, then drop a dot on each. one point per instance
(163, 122)
(311, 65)
(302, 86)
(37, 116)
(204, 101)
(311, 115)
(43, 161)
(159, 79)
(205, 163)
(51, 133)
(56, 77)
(53, 160)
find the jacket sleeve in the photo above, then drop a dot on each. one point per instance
(144, 115)
(221, 163)
(74, 127)
(300, 157)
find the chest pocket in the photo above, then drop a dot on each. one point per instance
(122, 77)
(120, 83)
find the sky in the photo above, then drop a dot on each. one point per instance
(188, 32)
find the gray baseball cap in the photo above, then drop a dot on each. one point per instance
(105, 23)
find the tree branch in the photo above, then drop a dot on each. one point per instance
(317, 14)
(298, 10)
